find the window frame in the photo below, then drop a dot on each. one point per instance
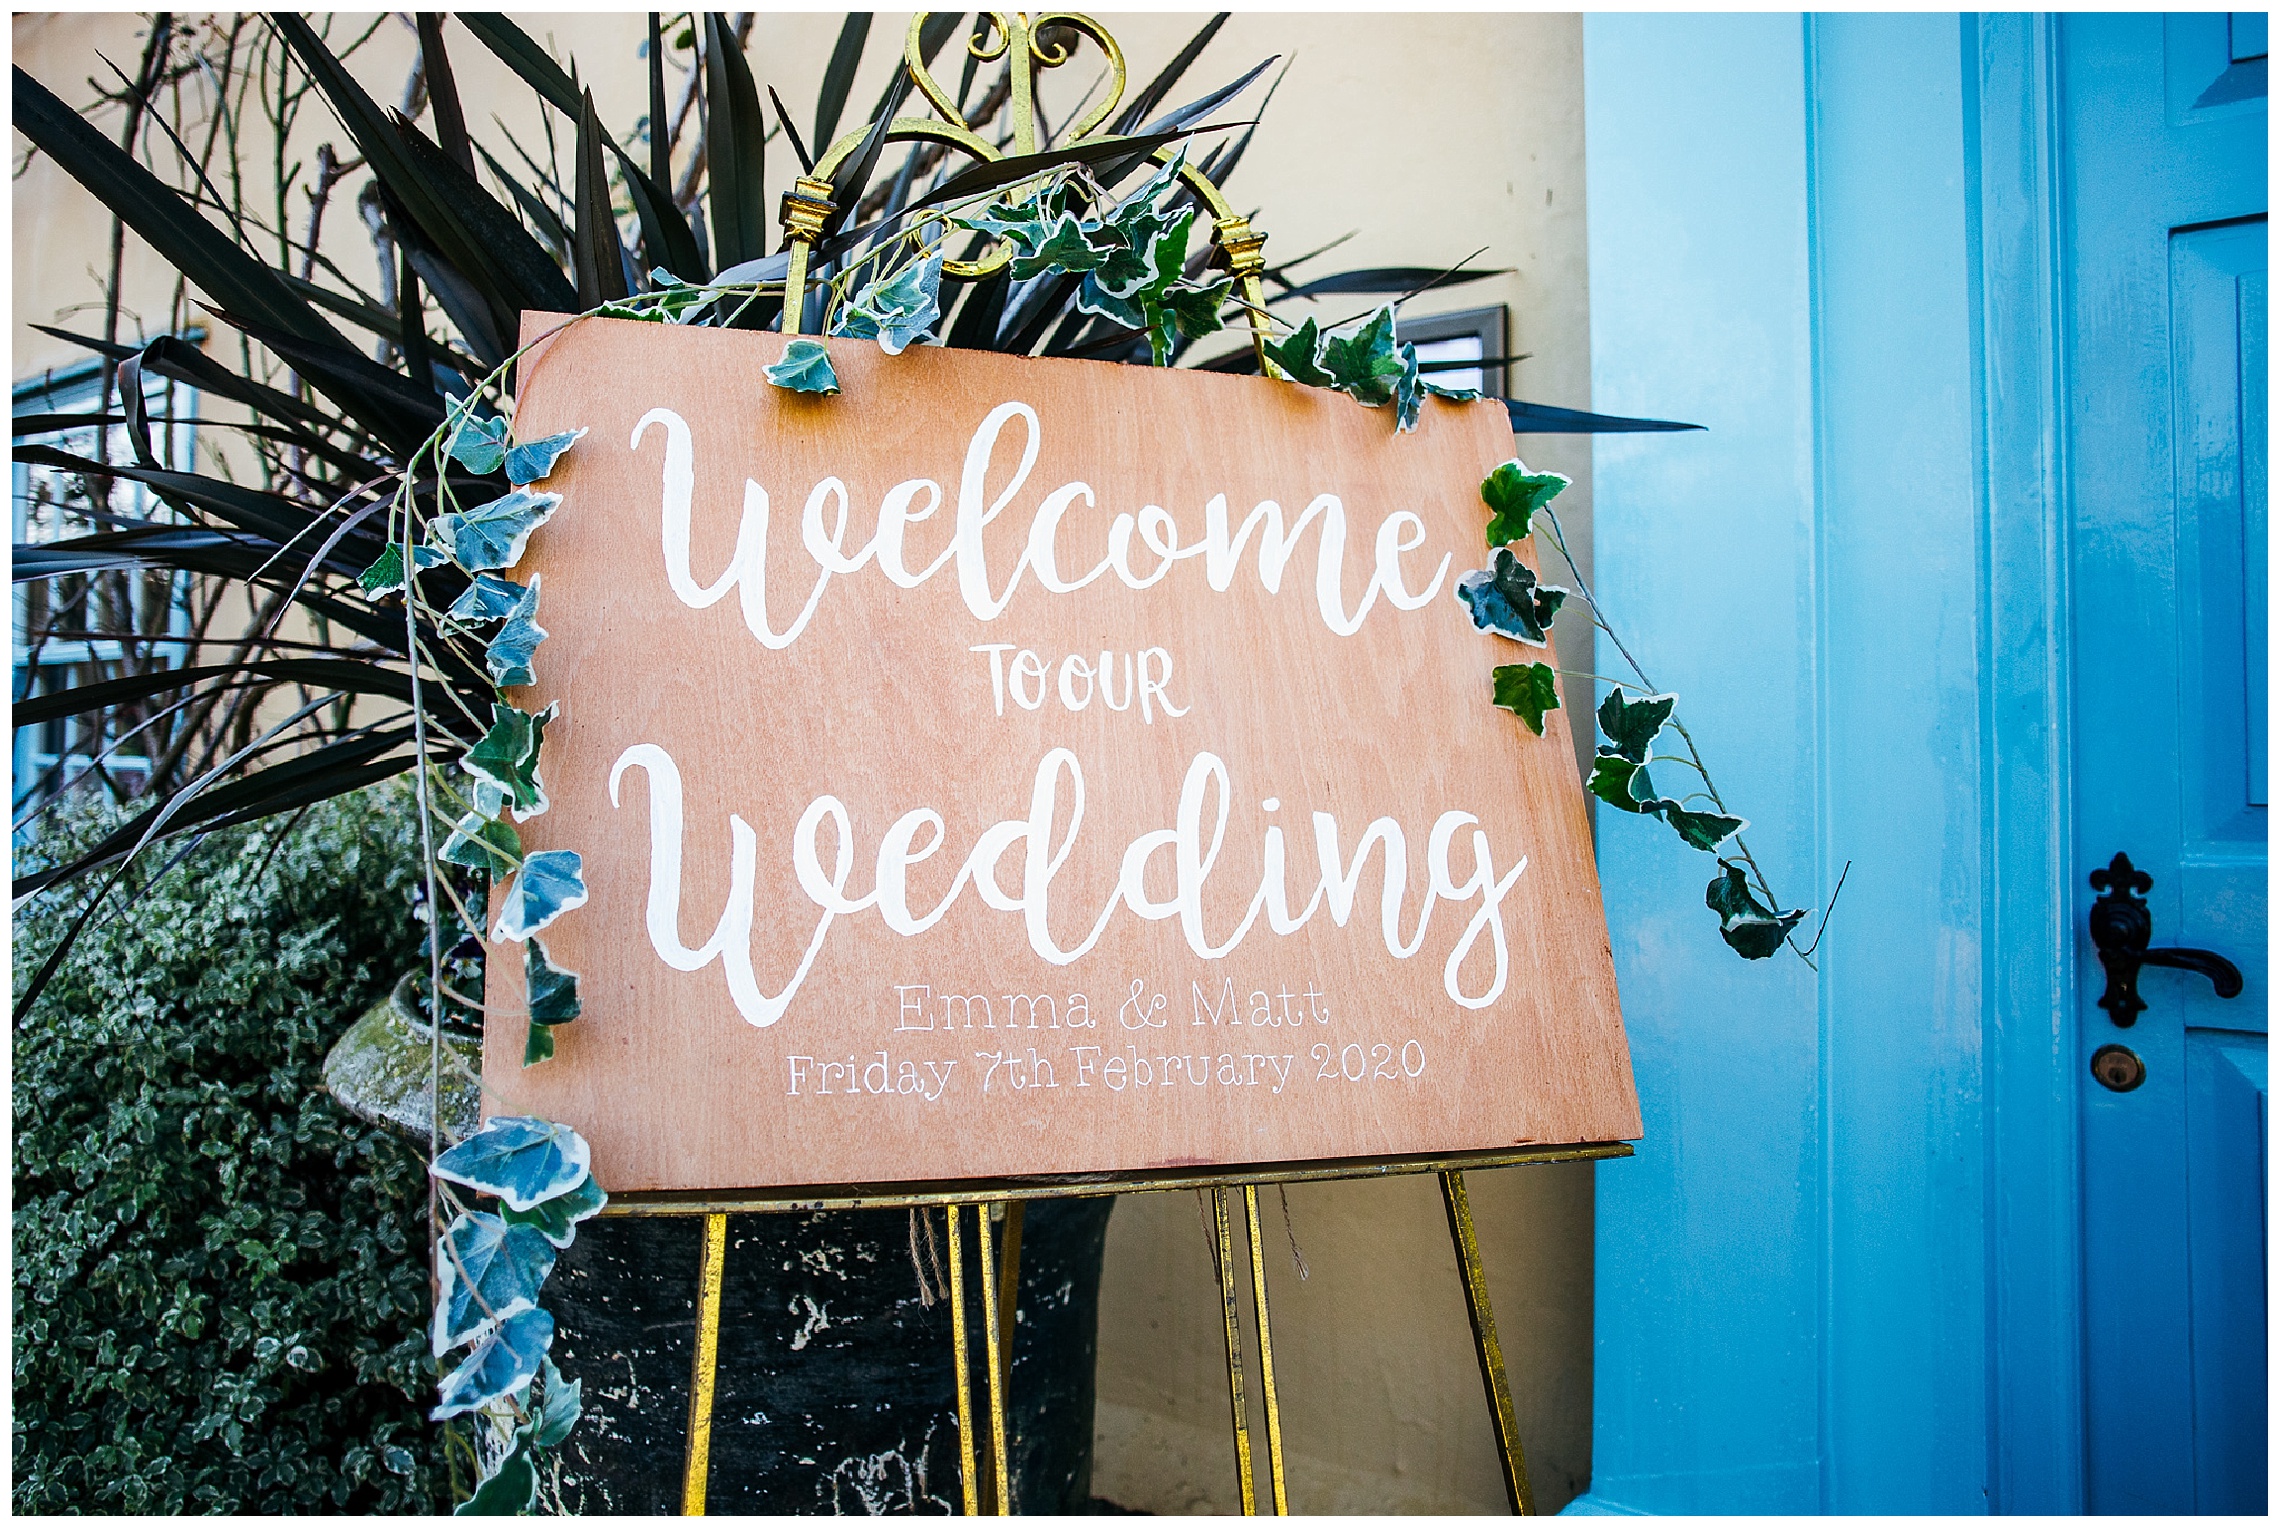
(38, 749)
(1488, 324)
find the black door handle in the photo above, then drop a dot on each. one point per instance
(2121, 927)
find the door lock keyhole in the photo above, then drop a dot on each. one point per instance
(2117, 1067)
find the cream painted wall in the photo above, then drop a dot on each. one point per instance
(1426, 137)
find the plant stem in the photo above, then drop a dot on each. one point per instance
(420, 767)
(1599, 619)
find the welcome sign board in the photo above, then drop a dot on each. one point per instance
(1015, 767)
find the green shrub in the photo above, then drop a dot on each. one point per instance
(220, 1275)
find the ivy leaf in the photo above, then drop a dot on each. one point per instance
(493, 535)
(1623, 783)
(1632, 725)
(1299, 354)
(511, 1489)
(1128, 264)
(676, 300)
(1165, 177)
(1701, 830)
(898, 310)
(1093, 299)
(551, 990)
(645, 313)
(1171, 252)
(1365, 365)
(1070, 244)
(386, 575)
(1070, 194)
(486, 1271)
(558, 1408)
(1451, 394)
(503, 1363)
(481, 445)
(523, 1161)
(507, 757)
(557, 1218)
(1527, 690)
(1134, 216)
(488, 598)
(805, 368)
(549, 884)
(533, 460)
(552, 994)
(1020, 223)
(1140, 306)
(1507, 600)
(509, 654)
(489, 799)
(1513, 494)
(481, 842)
(1186, 309)
(1408, 391)
(1754, 930)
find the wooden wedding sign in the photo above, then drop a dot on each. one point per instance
(1015, 767)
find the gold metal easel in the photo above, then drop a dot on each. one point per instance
(984, 1483)
(807, 210)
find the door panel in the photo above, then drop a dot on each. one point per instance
(2217, 296)
(2226, 1122)
(2163, 264)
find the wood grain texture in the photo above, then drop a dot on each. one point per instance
(1194, 1046)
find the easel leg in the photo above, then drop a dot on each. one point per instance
(992, 1351)
(697, 1469)
(1266, 1352)
(1484, 1339)
(966, 1479)
(1233, 1312)
(1008, 1298)
(1009, 1278)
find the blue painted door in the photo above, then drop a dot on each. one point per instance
(2162, 252)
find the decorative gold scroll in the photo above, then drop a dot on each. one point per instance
(1019, 38)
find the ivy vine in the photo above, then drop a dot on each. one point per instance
(1135, 267)
(1507, 599)
(490, 1263)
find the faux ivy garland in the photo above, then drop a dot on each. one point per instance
(490, 1264)
(1137, 270)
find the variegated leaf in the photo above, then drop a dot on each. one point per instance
(508, 656)
(522, 1160)
(550, 883)
(1507, 600)
(501, 1366)
(486, 1270)
(507, 757)
(805, 368)
(493, 535)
